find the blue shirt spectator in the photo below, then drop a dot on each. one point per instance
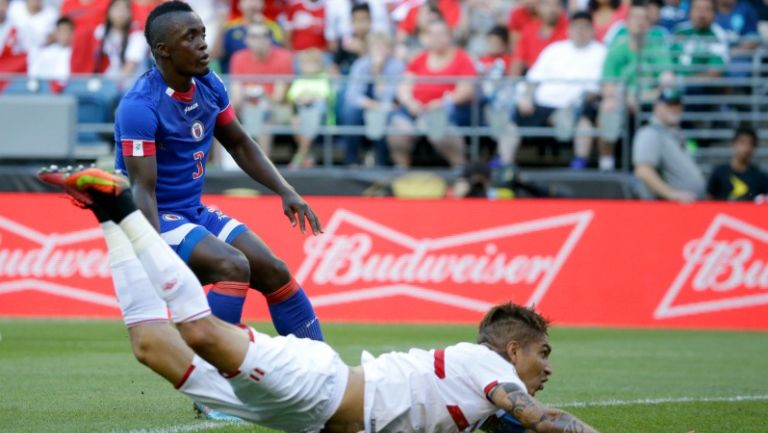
(373, 81)
(673, 13)
(738, 18)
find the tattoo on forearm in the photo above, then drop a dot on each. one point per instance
(535, 416)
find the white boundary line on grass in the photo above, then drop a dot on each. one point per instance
(187, 428)
(210, 425)
(653, 401)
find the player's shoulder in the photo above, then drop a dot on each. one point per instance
(145, 92)
(211, 80)
(469, 349)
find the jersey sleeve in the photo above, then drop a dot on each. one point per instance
(226, 112)
(137, 125)
(487, 369)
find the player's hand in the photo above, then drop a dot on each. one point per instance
(297, 210)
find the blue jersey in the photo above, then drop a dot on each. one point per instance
(153, 119)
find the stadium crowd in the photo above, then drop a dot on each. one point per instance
(413, 65)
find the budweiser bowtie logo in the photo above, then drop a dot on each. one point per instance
(727, 268)
(31, 260)
(359, 259)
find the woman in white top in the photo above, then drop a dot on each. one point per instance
(122, 49)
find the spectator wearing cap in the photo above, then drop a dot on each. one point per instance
(562, 83)
(739, 180)
(442, 59)
(552, 26)
(662, 161)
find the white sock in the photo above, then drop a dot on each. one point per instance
(170, 276)
(137, 297)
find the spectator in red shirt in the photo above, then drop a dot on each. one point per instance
(551, 27)
(13, 58)
(525, 13)
(411, 44)
(260, 58)
(86, 14)
(442, 59)
(605, 14)
(497, 48)
(141, 9)
(450, 10)
(305, 27)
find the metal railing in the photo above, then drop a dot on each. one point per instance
(743, 100)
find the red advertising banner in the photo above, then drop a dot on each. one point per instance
(603, 263)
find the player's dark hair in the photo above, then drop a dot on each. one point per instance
(108, 25)
(500, 32)
(155, 19)
(507, 322)
(361, 7)
(748, 131)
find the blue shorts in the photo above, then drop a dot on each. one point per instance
(183, 229)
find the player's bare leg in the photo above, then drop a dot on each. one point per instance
(154, 341)
(222, 345)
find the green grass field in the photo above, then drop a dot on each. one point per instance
(79, 376)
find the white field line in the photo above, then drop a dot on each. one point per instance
(210, 425)
(188, 428)
(667, 400)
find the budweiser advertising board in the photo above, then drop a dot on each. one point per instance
(605, 263)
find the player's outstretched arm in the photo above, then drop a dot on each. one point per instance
(257, 165)
(532, 414)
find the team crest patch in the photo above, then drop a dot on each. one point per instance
(197, 130)
(171, 217)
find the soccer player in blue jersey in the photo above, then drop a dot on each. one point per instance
(163, 130)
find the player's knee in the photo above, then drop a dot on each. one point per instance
(144, 345)
(198, 335)
(271, 275)
(234, 267)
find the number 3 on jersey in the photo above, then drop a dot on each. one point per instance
(199, 158)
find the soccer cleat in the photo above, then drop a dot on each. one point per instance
(82, 182)
(92, 181)
(203, 411)
(57, 176)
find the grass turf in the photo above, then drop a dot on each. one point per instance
(79, 376)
